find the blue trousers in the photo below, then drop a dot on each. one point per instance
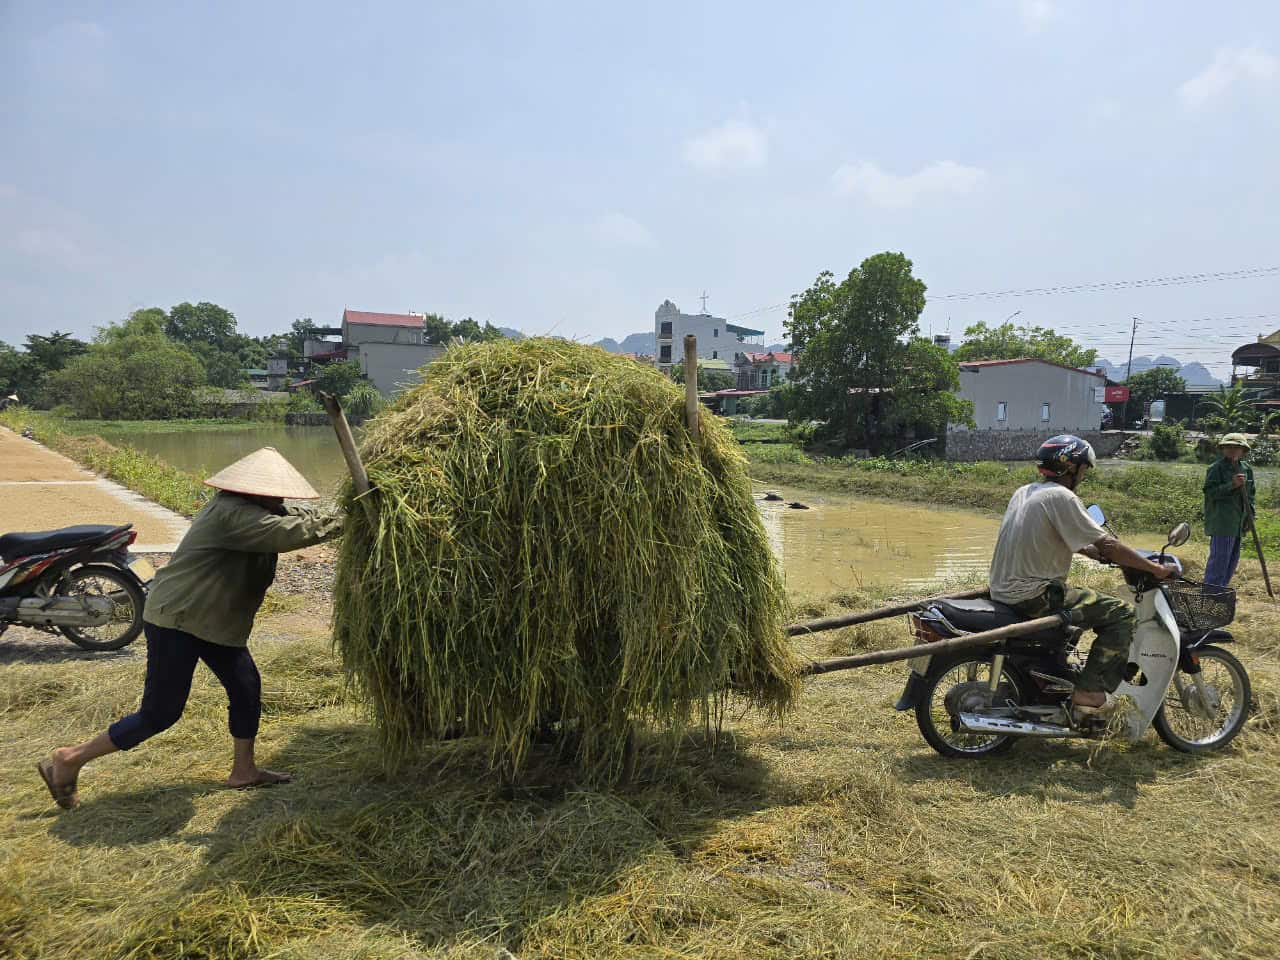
(1224, 554)
(172, 656)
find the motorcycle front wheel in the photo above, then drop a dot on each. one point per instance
(940, 729)
(127, 601)
(1211, 707)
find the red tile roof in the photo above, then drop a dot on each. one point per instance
(382, 319)
(966, 364)
(761, 357)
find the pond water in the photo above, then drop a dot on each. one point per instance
(840, 543)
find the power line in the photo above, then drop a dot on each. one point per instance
(1250, 273)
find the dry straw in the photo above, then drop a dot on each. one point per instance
(547, 544)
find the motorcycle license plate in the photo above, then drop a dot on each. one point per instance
(142, 569)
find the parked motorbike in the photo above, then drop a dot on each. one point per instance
(79, 581)
(978, 703)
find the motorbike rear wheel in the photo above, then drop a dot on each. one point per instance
(1190, 724)
(100, 580)
(936, 723)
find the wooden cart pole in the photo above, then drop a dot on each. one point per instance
(881, 613)
(981, 639)
(348, 444)
(691, 384)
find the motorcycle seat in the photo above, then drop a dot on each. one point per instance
(978, 615)
(14, 545)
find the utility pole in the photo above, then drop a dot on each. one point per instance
(1128, 367)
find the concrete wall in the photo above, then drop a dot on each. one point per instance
(354, 334)
(392, 366)
(1021, 444)
(715, 342)
(1024, 388)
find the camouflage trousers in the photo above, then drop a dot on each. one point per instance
(1111, 619)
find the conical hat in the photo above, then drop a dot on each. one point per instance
(264, 473)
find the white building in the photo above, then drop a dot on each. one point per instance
(718, 339)
(1019, 403)
(390, 347)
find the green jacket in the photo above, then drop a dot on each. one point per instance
(215, 582)
(1223, 505)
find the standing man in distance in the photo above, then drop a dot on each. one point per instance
(1227, 482)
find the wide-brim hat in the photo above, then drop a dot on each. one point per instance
(1235, 440)
(264, 473)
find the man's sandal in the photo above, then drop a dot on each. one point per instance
(64, 795)
(1079, 710)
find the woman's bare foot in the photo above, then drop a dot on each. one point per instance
(256, 777)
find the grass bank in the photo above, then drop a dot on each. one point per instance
(143, 473)
(836, 834)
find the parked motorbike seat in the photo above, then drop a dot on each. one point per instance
(977, 615)
(14, 545)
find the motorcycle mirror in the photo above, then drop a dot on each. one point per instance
(1180, 534)
(1099, 517)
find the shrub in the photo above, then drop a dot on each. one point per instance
(1167, 440)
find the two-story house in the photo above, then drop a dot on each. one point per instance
(718, 339)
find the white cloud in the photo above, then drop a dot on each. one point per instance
(619, 230)
(868, 181)
(734, 145)
(1231, 65)
(1037, 14)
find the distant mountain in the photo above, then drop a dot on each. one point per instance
(1196, 374)
(511, 333)
(645, 343)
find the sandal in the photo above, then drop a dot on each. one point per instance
(65, 795)
(1107, 706)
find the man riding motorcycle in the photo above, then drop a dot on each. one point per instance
(1044, 525)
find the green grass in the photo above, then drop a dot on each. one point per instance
(141, 472)
(837, 834)
(747, 431)
(129, 427)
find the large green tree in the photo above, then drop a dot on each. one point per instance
(1007, 342)
(202, 323)
(338, 378)
(1154, 384)
(131, 371)
(53, 351)
(859, 363)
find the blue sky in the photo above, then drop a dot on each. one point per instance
(566, 167)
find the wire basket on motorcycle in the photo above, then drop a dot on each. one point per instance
(1200, 606)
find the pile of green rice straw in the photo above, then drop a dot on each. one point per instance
(548, 547)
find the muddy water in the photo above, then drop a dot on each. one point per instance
(843, 542)
(839, 544)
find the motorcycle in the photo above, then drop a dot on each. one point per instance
(975, 704)
(80, 581)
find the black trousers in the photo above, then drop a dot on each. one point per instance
(172, 656)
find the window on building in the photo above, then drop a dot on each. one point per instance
(1002, 411)
(664, 330)
(664, 353)
(1044, 413)
(715, 355)
(715, 331)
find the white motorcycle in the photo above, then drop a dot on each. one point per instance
(977, 703)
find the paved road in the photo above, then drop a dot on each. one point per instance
(43, 490)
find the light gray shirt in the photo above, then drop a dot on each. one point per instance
(1042, 529)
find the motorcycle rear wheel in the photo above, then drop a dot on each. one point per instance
(1195, 727)
(936, 724)
(100, 580)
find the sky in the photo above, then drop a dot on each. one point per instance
(564, 168)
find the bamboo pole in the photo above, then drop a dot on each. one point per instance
(865, 616)
(982, 639)
(348, 444)
(691, 384)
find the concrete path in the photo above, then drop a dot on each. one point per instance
(43, 490)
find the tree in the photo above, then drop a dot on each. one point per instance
(202, 323)
(1007, 342)
(363, 400)
(338, 378)
(221, 369)
(708, 380)
(1154, 384)
(12, 363)
(859, 364)
(131, 371)
(1231, 408)
(54, 351)
(436, 329)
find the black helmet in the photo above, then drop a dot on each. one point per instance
(1057, 455)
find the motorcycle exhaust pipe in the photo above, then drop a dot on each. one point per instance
(973, 723)
(58, 611)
